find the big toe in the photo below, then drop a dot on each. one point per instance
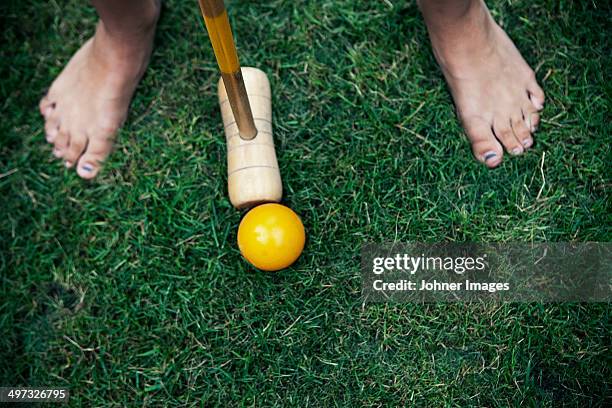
(96, 152)
(485, 147)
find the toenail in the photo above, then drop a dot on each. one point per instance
(87, 167)
(527, 142)
(57, 153)
(68, 163)
(517, 150)
(489, 156)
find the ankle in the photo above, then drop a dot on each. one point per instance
(134, 25)
(122, 56)
(441, 14)
(457, 43)
(453, 26)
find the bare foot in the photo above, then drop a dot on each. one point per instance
(88, 102)
(495, 91)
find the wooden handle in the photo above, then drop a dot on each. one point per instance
(253, 176)
(220, 34)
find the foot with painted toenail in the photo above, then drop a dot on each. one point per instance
(88, 102)
(495, 92)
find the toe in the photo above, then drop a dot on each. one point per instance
(536, 95)
(51, 128)
(96, 152)
(485, 147)
(75, 149)
(531, 117)
(534, 120)
(46, 106)
(522, 131)
(504, 133)
(61, 142)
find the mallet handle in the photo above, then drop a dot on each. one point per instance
(220, 34)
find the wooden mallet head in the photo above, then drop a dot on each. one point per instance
(253, 176)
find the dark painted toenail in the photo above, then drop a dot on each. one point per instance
(490, 156)
(87, 167)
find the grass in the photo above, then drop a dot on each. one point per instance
(130, 289)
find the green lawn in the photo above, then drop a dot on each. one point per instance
(130, 289)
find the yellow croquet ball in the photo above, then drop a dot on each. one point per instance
(271, 237)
